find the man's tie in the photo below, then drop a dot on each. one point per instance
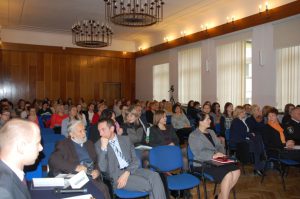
(118, 152)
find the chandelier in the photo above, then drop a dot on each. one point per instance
(134, 13)
(90, 34)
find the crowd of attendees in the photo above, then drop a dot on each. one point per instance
(214, 130)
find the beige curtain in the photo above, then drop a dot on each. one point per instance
(288, 76)
(161, 83)
(231, 61)
(189, 74)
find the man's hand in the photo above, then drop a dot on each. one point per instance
(122, 181)
(104, 143)
(95, 174)
(81, 168)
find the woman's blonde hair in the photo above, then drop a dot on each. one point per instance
(157, 116)
(253, 108)
(132, 111)
(237, 111)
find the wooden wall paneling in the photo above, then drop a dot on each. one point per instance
(62, 74)
(122, 76)
(32, 64)
(86, 80)
(15, 75)
(5, 75)
(132, 78)
(48, 75)
(95, 77)
(55, 89)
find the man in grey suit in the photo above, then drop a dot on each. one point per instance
(116, 156)
(19, 146)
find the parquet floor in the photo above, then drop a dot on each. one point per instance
(249, 186)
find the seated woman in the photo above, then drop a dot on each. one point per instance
(81, 115)
(160, 133)
(216, 115)
(256, 121)
(132, 127)
(33, 116)
(274, 138)
(180, 123)
(240, 135)
(57, 118)
(76, 154)
(206, 146)
(287, 114)
(73, 115)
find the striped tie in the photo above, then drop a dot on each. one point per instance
(118, 153)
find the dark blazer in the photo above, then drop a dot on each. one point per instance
(11, 186)
(156, 137)
(238, 131)
(149, 116)
(254, 126)
(292, 131)
(64, 158)
(271, 138)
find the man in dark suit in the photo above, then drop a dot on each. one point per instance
(116, 156)
(292, 128)
(76, 154)
(19, 146)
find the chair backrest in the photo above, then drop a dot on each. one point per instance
(47, 131)
(52, 138)
(48, 149)
(190, 156)
(166, 158)
(34, 172)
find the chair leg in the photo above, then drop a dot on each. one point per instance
(215, 188)
(198, 192)
(264, 172)
(204, 188)
(234, 193)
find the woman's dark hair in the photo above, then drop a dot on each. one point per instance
(287, 107)
(106, 113)
(213, 107)
(175, 106)
(225, 108)
(200, 117)
(196, 103)
(189, 103)
(273, 110)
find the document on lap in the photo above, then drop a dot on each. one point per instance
(86, 196)
(223, 160)
(48, 182)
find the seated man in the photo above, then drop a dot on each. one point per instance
(292, 129)
(76, 154)
(116, 156)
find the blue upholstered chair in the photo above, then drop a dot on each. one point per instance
(167, 159)
(33, 172)
(204, 176)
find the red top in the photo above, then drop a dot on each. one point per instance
(95, 119)
(57, 119)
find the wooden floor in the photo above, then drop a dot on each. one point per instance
(249, 186)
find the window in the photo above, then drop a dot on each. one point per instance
(161, 82)
(189, 74)
(288, 75)
(234, 73)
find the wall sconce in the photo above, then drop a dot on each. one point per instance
(206, 65)
(259, 8)
(204, 27)
(260, 58)
(166, 39)
(267, 6)
(232, 19)
(183, 33)
(0, 35)
(140, 48)
(124, 52)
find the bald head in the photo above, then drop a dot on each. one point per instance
(15, 130)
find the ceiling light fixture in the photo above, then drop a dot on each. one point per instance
(90, 34)
(134, 13)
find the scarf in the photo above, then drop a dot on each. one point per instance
(277, 127)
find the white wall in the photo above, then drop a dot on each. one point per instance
(56, 39)
(264, 74)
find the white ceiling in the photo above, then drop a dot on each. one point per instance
(57, 16)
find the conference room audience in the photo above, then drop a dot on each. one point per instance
(274, 138)
(132, 127)
(83, 104)
(75, 154)
(45, 110)
(205, 147)
(287, 114)
(225, 122)
(117, 157)
(160, 133)
(193, 113)
(247, 108)
(122, 118)
(292, 129)
(181, 123)
(150, 113)
(81, 115)
(240, 135)
(90, 112)
(4, 115)
(256, 121)
(33, 116)
(206, 108)
(57, 118)
(189, 108)
(96, 116)
(20, 143)
(216, 116)
(24, 114)
(73, 115)
(116, 107)
(20, 107)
